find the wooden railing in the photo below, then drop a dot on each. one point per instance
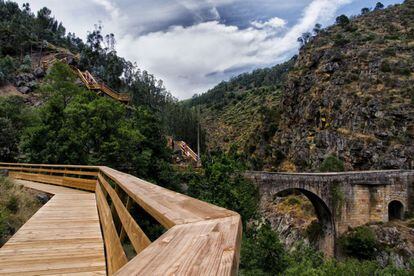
(188, 151)
(90, 82)
(201, 238)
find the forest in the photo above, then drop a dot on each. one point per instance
(75, 126)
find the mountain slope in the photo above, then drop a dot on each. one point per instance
(349, 94)
(240, 111)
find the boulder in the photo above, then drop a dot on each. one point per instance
(39, 72)
(330, 67)
(31, 84)
(42, 198)
(24, 89)
(24, 78)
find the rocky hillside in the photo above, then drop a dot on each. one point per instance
(240, 112)
(350, 94)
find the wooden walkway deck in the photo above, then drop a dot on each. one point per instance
(63, 237)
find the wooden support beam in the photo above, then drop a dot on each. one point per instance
(138, 239)
(115, 255)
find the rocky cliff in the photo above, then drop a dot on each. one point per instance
(349, 93)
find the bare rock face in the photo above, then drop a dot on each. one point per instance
(289, 217)
(24, 89)
(353, 97)
(397, 242)
(25, 82)
(39, 72)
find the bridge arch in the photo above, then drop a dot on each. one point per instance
(326, 242)
(395, 210)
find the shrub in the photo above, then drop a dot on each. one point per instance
(402, 68)
(293, 200)
(340, 40)
(390, 51)
(7, 67)
(360, 243)
(385, 66)
(365, 10)
(262, 253)
(3, 224)
(223, 184)
(26, 65)
(342, 20)
(314, 231)
(379, 6)
(13, 204)
(332, 164)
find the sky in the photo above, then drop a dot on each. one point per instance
(192, 45)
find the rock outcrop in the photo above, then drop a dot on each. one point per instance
(350, 94)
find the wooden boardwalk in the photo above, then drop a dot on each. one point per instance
(63, 237)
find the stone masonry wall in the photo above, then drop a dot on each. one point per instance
(352, 198)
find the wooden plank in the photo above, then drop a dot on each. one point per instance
(167, 207)
(128, 207)
(49, 165)
(72, 182)
(65, 171)
(203, 248)
(63, 237)
(138, 239)
(51, 189)
(115, 255)
(202, 239)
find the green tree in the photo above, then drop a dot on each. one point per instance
(223, 184)
(332, 164)
(14, 118)
(79, 127)
(262, 253)
(317, 29)
(7, 68)
(379, 6)
(360, 243)
(365, 11)
(342, 20)
(59, 86)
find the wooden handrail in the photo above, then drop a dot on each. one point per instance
(202, 239)
(90, 82)
(188, 151)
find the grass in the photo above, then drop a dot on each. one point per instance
(17, 205)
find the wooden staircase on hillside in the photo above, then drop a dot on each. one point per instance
(91, 83)
(86, 77)
(187, 152)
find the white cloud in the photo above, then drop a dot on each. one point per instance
(192, 59)
(109, 6)
(275, 22)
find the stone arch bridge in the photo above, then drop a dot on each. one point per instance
(344, 200)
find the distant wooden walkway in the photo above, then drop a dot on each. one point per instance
(63, 237)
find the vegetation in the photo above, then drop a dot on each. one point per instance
(360, 243)
(262, 253)
(325, 89)
(222, 184)
(75, 126)
(15, 117)
(17, 205)
(32, 33)
(342, 20)
(332, 164)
